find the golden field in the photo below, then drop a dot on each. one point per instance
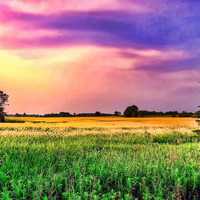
(96, 126)
(104, 122)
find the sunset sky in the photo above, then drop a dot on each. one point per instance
(100, 55)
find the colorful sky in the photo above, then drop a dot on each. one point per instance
(100, 55)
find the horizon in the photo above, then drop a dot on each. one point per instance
(107, 113)
(88, 56)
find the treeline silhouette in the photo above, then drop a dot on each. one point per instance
(140, 113)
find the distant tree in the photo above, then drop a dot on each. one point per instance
(97, 113)
(3, 102)
(131, 111)
(117, 113)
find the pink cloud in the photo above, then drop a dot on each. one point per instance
(77, 5)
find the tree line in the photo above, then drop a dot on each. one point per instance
(130, 111)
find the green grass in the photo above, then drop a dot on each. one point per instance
(126, 166)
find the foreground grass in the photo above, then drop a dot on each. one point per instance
(96, 166)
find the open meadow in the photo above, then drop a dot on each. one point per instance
(99, 158)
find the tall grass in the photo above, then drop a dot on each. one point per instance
(126, 166)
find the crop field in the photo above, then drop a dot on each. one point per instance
(105, 158)
(107, 122)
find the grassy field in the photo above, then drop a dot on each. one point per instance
(99, 158)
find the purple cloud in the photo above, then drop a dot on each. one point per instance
(112, 28)
(163, 30)
(170, 65)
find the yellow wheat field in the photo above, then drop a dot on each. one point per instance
(70, 126)
(104, 122)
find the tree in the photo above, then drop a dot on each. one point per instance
(3, 102)
(97, 113)
(117, 113)
(131, 111)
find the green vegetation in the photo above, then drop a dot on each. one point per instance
(122, 166)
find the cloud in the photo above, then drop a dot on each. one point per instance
(116, 28)
(170, 65)
(50, 6)
(162, 61)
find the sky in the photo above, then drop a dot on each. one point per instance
(100, 55)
